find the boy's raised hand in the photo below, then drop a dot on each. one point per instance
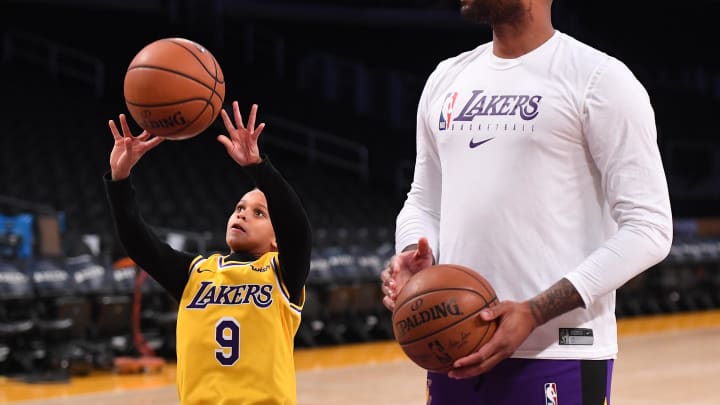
(128, 149)
(241, 142)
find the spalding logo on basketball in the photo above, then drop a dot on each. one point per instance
(437, 315)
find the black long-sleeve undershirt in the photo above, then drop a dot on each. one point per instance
(169, 267)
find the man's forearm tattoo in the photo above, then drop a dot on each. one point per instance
(556, 300)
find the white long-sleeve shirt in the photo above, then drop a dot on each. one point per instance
(533, 169)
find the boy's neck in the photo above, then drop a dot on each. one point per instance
(242, 256)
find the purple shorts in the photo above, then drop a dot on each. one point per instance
(527, 382)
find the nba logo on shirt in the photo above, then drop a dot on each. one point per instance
(551, 397)
(447, 111)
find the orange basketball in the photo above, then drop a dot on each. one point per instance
(174, 88)
(436, 319)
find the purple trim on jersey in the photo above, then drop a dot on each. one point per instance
(281, 284)
(609, 381)
(195, 263)
(222, 265)
(513, 382)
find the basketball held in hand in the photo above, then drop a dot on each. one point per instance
(174, 88)
(437, 315)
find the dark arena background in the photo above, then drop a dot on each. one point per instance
(337, 82)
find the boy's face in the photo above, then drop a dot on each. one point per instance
(249, 228)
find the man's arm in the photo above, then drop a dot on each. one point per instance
(622, 139)
(420, 214)
(621, 134)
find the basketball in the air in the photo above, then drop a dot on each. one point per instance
(437, 315)
(174, 88)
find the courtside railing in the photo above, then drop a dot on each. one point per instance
(319, 146)
(60, 60)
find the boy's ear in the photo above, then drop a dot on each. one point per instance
(273, 244)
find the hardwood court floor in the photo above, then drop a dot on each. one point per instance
(667, 359)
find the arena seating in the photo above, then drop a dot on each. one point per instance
(78, 306)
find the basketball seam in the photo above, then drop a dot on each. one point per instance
(207, 101)
(216, 66)
(214, 75)
(191, 121)
(167, 104)
(179, 74)
(484, 334)
(487, 305)
(446, 368)
(180, 44)
(469, 272)
(408, 299)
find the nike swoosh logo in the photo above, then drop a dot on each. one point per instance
(204, 270)
(474, 144)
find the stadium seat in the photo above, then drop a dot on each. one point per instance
(105, 286)
(312, 322)
(63, 316)
(158, 317)
(18, 344)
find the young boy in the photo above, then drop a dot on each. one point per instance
(238, 313)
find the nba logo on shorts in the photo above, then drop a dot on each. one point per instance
(551, 397)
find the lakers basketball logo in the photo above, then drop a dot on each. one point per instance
(484, 111)
(209, 294)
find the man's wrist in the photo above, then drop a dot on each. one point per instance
(560, 298)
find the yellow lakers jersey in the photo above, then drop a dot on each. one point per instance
(235, 332)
